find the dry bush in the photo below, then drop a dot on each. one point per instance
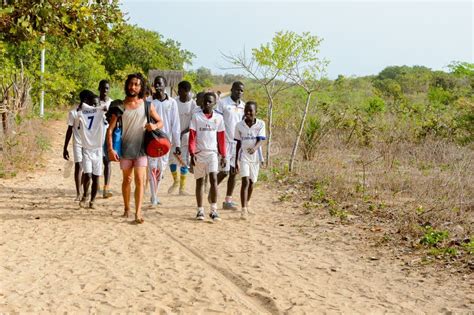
(404, 186)
(22, 147)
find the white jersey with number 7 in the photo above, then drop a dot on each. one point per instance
(92, 125)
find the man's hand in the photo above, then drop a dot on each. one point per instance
(223, 162)
(251, 150)
(177, 151)
(237, 167)
(113, 156)
(150, 127)
(66, 154)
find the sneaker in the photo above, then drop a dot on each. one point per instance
(83, 203)
(229, 206)
(173, 188)
(182, 192)
(244, 215)
(214, 216)
(200, 215)
(78, 198)
(107, 194)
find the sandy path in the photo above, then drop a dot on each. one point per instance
(56, 257)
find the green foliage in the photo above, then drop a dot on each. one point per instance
(76, 21)
(200, 79)
(433, 237)
(143, 49)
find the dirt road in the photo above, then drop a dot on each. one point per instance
(57, 257)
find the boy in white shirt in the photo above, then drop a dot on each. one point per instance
(73, 130)
(186, 107)
(167, 109)
(206, 141)
(232, 108)
(105, 100)
(92, 124)
(249, 134)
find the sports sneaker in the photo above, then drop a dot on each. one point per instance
(182, 192)
(244, 215)
(173, 188)
(214, 216)
(200, 215)
(83, 203)
(229, 206)
(107, 194)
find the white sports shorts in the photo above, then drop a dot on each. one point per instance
(205, 164)
(250, 170)
(229, 157)
(92, 161)
(77, 153)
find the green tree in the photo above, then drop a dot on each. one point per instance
(144, 49)
(77, 21)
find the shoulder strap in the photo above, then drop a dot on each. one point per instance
(147, 111)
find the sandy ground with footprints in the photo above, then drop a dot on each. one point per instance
(56, 257)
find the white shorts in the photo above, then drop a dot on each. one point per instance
(205, 164)
(77, 153)
(230, 148)
(160, 163)
(250, 170)
(92, 161)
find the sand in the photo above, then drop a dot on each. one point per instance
(56, 257)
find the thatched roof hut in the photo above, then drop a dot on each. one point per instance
(173, 77)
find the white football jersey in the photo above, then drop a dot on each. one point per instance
(73, 121)
(91, 126)
(106, 103)
(248, 137)
(185, 111)
(168, 111)
(233, 113)
(206, 131)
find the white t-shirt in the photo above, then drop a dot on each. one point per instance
(233, 113)
(185, 111)
(248, 137)
(73, 121)
(206, 131)
(106, 103)
(168, 111)
(92, 124)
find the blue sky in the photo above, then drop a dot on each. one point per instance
(360, 38)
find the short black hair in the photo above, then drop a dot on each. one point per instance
(250, 103)
(86, 95)
(161, 77)
(185, 85)
(210, 94)
(236, 83)
(140, 77)
(103, 83)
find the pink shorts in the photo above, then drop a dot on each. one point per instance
(126, 164)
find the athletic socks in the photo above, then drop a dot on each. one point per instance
(228, 199)
(182, 181)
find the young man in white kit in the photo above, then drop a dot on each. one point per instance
(92, 126)
(206, 143)
(167, 109)
(249, 134)
(186, 108)
(73, 130)
(105, 100)
(232, 108)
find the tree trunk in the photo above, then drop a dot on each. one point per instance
(300, 132)
(269, 128)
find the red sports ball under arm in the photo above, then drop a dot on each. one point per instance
(221, 143)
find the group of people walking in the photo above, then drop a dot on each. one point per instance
(211, 137)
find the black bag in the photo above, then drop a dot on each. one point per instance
(156, 141)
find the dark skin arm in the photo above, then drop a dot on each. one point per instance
(158, 122)
(237, 156)
(113, 156)
(66, 142)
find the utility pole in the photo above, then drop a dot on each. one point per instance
(42, 75)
